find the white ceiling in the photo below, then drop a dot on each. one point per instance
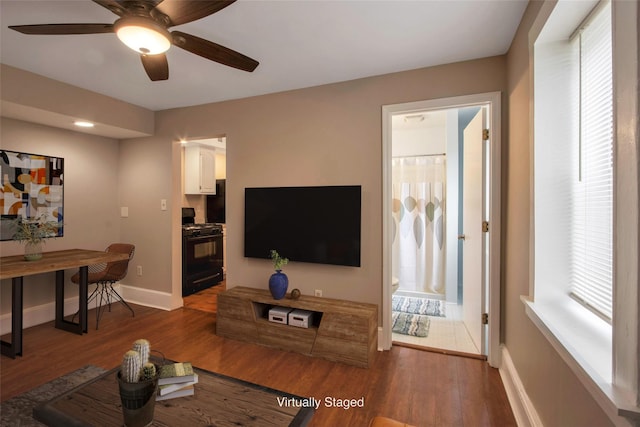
(299, 43)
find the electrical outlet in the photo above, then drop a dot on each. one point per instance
(139, 270)
(318, 292)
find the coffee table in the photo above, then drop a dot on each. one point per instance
(218, 400)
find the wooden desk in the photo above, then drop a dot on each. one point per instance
(16, 267)
(218, 400)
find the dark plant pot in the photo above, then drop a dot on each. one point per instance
(138, 401)
(278, 284)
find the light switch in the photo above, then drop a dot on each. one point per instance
(124, 212)
(163, 204)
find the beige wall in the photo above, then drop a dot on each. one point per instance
(558, 396)
(31, 97)
(323, 135)
(91, 214)
(145, 177)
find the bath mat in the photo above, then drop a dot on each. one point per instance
(429, 307)
(415, 325)
(17, 410)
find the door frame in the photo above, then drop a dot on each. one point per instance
(493, 100)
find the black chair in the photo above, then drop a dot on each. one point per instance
(105, 276)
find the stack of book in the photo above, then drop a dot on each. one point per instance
(176, 380)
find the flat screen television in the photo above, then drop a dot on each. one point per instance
(305, 224)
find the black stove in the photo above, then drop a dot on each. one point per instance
(202, 254)
(206, 229)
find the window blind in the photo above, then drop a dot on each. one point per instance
(592, 209)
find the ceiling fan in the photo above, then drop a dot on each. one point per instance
(143, 26)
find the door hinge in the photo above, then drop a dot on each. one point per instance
(485, 226)
(485, 134)
(485, 318)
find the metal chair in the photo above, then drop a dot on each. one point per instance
(104, 276)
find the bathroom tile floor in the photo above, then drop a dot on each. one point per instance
(446, 333)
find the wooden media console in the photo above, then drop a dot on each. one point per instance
(341, 331)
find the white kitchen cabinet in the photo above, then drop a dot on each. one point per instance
(199, 170)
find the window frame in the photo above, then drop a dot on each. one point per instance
(618, 396)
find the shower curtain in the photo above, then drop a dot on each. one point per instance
(418, 222)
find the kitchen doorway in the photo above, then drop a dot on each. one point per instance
(209, 213)
(440, 268)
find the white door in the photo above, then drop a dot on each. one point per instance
(472, 217)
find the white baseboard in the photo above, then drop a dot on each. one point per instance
(44, 313)
(523, 410)
(149, 297)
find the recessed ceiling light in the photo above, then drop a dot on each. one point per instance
(414, 118)
(83, 124)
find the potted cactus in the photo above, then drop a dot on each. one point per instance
(138, 383)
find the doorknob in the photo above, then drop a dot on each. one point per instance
(460, 236)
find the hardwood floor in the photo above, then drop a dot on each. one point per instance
(416, 387)
(206, 299)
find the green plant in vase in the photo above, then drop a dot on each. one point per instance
(278, 282)
(278, 261)
(33, 232)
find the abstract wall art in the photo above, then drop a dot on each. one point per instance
(32, 189)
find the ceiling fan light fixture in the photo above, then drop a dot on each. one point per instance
(143, 35)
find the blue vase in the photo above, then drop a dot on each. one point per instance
(278, 284)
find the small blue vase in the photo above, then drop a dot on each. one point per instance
(278, 284)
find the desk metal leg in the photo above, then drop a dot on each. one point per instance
(82, 301)
(60, 299)
(14, 348)
(61, 323)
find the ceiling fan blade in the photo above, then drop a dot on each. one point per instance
(156, 66)
(113, 5)
(181, 11)
(213, 51)
(61, 29)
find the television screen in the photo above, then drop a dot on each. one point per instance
(305, 224)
